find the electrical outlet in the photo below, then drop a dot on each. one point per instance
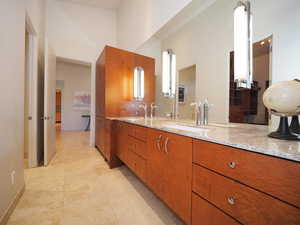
(12, 175)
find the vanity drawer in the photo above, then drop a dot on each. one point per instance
(131, 130)
(277, 177)
(204, 213)
(141, 133)
(245, 204)
(137, 164)
(137, 146)
(138, 132)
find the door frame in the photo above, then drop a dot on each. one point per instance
(32, 70)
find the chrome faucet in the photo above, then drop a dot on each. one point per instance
(201, 112)
(198, 113)
(145, 108)
(153, 107)
(173, 113)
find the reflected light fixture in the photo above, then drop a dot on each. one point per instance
(169, 73)
(139, 84)
(243, 49)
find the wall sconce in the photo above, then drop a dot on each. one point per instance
(139, 83)
(243, 49)
(169, 74)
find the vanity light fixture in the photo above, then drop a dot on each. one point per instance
(169, 74)
(139, 83)
(243, 49)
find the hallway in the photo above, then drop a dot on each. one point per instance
(78, 188)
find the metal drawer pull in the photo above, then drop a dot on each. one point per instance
(158, 142)
(166, 145)
(231, 200)
(232, 165)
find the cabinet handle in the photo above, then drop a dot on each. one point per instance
(158, 142)
(231, 200)
(232, 165)
(166, 145)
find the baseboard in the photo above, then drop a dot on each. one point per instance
(11, 208)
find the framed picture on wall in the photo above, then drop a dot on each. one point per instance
(181, 94)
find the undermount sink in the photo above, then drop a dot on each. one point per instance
(134, 119)
(222, 125)
(185, 128)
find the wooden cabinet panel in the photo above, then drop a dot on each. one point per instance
(178, 150)
(139, 147)
(137, 164)
(107, 139)
(100, 133)
(141, 133)
(156, 164)
(118, 80)
(243, 203)
(204, 213)
(122, 137)
(170, 170)
(274, 176)
(138, 132)
(100, 85)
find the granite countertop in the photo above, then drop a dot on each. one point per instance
(243, 136)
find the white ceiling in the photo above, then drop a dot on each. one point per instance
(108, 4)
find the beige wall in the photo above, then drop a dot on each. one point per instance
(80, 31)
(76, 78)
(12, 60)
(187, 78)
(138, 21)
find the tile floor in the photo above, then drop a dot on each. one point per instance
(78, 188)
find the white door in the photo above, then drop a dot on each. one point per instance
(49, 104)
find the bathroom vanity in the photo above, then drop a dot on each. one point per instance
(216, 175)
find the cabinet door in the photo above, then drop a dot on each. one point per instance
(100, 131)
(156, 163)
(122, 145)
(178, 150)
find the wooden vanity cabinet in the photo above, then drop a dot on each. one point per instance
(254, 189)
(265, 173)
(169, 170)
(210, 184)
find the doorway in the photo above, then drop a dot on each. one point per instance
(58, 110)
(74, 82)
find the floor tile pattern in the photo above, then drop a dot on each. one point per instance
(78, 188)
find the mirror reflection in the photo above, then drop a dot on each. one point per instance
(207, 42)
(246, 105)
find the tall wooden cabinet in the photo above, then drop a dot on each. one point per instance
(114, 92)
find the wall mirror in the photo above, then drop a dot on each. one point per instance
(207, 41)
(186, 93)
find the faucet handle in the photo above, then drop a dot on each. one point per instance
(143, 105)
(153, 106)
